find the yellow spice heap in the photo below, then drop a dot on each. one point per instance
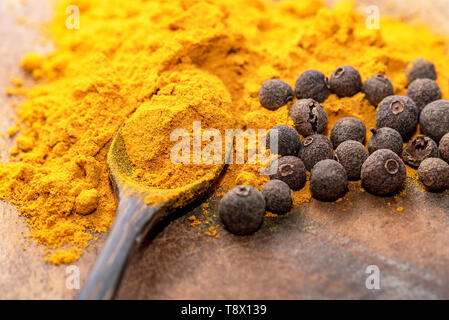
(178, 61)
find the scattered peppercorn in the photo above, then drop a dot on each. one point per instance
(385, 138)
(309, 117)
(351, 155)
(312, 84)
(242, 209)
(383, 172)
(291, 170)
(288, 139)
(348, 129)
(399, 113)
(275, 93)
(434, 119)
(345, 81)
(423, 92)
(418, 149)
(377, 88)
(314, 149)
(434, 174)
(420, 69)
(278, 196)
(328, 180)
(443, 147)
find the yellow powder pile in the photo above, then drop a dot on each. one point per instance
(179, 61)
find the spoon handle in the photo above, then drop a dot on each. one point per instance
(133, 216)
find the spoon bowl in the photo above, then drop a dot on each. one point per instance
(140, 207)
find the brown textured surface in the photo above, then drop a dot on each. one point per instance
(319, 250)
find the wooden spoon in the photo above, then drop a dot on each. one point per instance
(139, 209)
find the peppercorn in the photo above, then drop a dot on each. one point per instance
(351, 155)
(383, 172)
(434, 174)
(278, 196)
(242, 209)
(312, 84)
(420, 69)
(423, 92)
(291, 170)
(443, 147)
(434, 119)
(309, 117)
(385, 138)
(348, 129)
(314, 149)
(328, 180)
(275, 93)
(288, 139)
(377, 88)
(345, 81)
(418, 149)
(399, 113)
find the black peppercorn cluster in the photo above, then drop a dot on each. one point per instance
(312, 87)
(242, 209)
(343, 157)
(398, 118)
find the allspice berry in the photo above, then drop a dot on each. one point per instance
(348, 128)
(345, 81)
(351, 155)
(399, 113)
(383, 172)
(312, 84)
(423, 92)
(291, 170)
(314, 149)
(309, 117)
(275, 93)
(385, 138)
(443, 148)
(434, 174)
(278, 196)
(434, 119)
(288, 139)
(242, 209)
(328, 180)
(377, 88)
(420, 69)
(418, 149)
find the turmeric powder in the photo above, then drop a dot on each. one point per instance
(186, 97)
(155, 56)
